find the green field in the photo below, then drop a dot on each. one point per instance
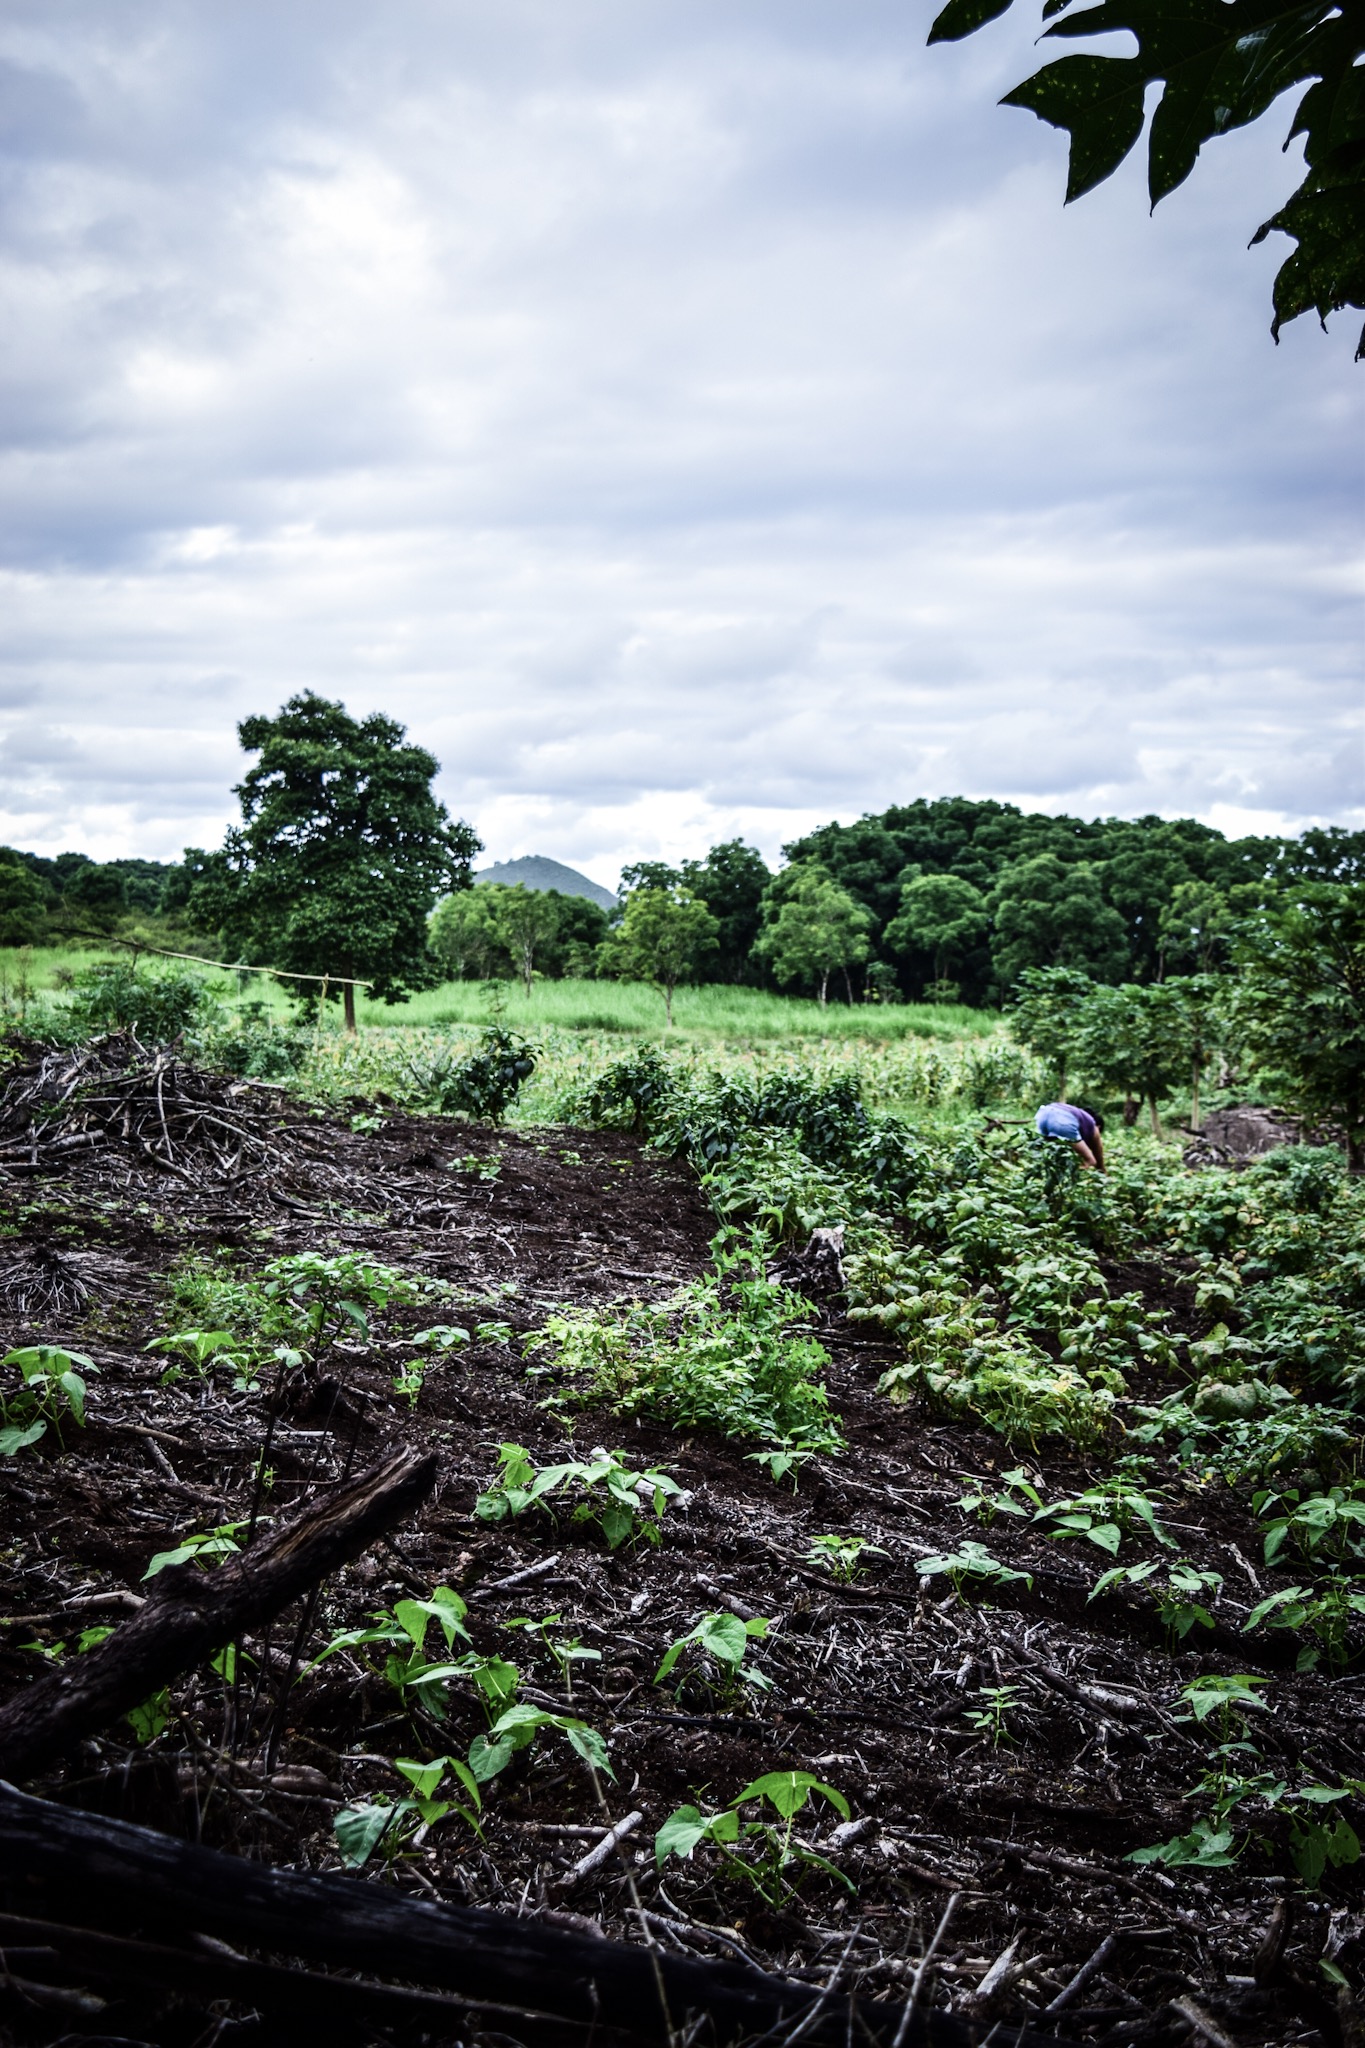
(709, 1013)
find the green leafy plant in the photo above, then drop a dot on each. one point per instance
(403, 1823)
(624, 1505)
(209, 1548)
(1102, 1513)
(484, 1084)
(488, 1169)
(777, 1854)
(149, 1719)
(1226, 1699)
(441, 1340)
(516, 1729)
(199, 1348)
(1217, 75)
(1324, 1610)
(1315, 1839)
(725, 1352)
(992, 1719)
(403, 1631)
(970, 1561)
(782, 1460)
(50, 1390)
(1318, 1522)
(564, 1651)
(725, 1639)
(1181, 1593)
(841, 1555)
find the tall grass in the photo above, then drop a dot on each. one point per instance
(712, 1012)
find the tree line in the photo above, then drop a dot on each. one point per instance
(345, 867)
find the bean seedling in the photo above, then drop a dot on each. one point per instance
(725, 1639)
(970, 1561)
(777, 1847)
(625, 1505)
(840, 1555)
(50, 1389)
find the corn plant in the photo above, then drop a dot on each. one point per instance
(725, 1639)
(404, 1822)
(624, 1505)
(841, 1555)
(776, 1851)
(50, 1389)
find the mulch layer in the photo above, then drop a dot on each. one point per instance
(1017, 1845)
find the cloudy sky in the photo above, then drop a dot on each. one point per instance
(691, 417)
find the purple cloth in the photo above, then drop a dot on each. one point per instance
(1065, 1120)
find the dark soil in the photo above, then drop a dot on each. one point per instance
(872, 1683)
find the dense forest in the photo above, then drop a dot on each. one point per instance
(947, 896)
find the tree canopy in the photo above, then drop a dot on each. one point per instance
(817, 930)
(341, 853)
(664, 937)
(1299, 1001)
(1221, 64)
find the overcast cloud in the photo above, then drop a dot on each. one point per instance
(691, 417)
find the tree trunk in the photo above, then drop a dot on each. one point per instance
(1131, 1106)
(824, 987)
(668, 1003)
(1194, 1097)
(190, 1613)
(348, 1005)
(1156, 1127)
(848, 988)
(528, 967)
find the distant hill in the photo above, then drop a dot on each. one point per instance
(537, 871)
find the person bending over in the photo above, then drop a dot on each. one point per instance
(1074, 1126)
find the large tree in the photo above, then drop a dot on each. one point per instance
(341, 852)
(525, 921)
(819, 929)
(1049, 912)
(1221, 64)
(731, 882)
(23, 902)
(939, 914)
(663, 938)
(1299, 1002)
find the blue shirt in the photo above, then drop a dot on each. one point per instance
(1065, 1120)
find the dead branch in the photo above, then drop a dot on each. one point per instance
(72, 1868)
(190, 1613)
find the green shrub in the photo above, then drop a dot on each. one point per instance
(728, 1352)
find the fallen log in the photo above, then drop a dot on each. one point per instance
(189, 1613)
(72, 1869)
(63, 1957)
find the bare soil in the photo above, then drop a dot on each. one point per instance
(872, 1682)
